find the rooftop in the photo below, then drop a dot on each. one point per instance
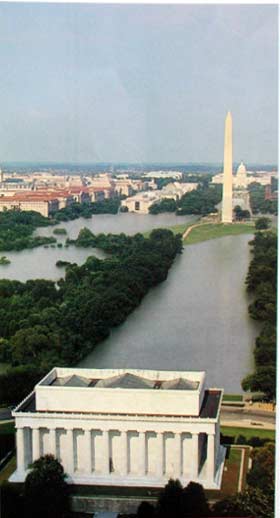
(126, 380)
(125, 392)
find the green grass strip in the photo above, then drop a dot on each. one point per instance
(216, 230)
(248, 432)
(233, 397)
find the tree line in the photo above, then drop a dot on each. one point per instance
(87, 209)
(17, 227)
(258, 202)
(43, 323)
(261, 283)
(201, 201)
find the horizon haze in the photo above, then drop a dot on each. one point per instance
(127, 83)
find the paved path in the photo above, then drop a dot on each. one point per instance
(189, 229)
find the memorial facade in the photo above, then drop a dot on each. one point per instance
(123, 427)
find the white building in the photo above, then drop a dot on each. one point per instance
(243, 178)
(141, 202)
(123, 427)
(164, 174)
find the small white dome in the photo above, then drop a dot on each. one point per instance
(241, 169)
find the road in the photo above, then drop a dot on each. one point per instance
(247, 417)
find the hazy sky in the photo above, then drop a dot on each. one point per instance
(137, 83)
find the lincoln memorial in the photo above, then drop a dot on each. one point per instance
(123, 427)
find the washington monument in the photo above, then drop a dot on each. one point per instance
(227, 181)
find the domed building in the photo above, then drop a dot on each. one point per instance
(241, 177)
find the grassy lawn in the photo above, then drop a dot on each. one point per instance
(233, 397)
(215, 230)
(248, 432)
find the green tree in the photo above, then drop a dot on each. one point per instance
(263, 468)
(194, 501)
(263, 380)
(164, 205)
(45, 489)
(170, 500)
(145, 510)
(263, 223)
(252, 502)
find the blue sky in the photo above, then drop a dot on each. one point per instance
(137, 83)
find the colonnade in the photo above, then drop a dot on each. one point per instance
(29, 448)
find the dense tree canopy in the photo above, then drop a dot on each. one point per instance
(201, 201)
(176, 502)
(241, 214)
(263, 223)
(16, 229)
(258, 202)
(45, 490)
(86, 210)
(262, 474)
(43, 323)
(250, 503)
(164, 205)
(261, 282)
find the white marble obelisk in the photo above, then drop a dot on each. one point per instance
(227, 183)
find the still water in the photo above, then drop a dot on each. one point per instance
(41, 262)
(196, 320)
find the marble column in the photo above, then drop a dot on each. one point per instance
(124, 456)
(142, 453)
(217, 439)
(106, 452)
(160, 455)
(210, 457)
(35, 444)
(88, 451)
(20, 449)
(52, 441)
(70, 451)
(195, 452)
(177, 455)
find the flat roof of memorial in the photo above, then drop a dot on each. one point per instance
(125, 381)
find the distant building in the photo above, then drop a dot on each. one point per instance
(243, 178)
(141, 202)
(176, 190)
(43, 205)
(123, 427)
(177, 175)
(269, 194)
(240, 180)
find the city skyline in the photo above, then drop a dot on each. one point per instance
(137, 83)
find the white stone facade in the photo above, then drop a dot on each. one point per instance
(123, 427)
